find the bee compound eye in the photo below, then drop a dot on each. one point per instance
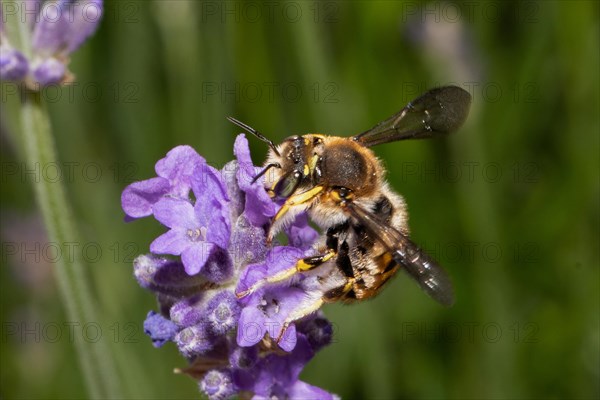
(287, 185)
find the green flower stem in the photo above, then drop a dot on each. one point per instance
(73, 282)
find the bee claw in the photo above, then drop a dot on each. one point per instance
(269, 237)
(243, 294)
(283, 330)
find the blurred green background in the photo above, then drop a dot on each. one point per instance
(509, 205)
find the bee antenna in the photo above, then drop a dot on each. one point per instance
(256, 133)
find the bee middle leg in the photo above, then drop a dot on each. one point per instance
(302, 265)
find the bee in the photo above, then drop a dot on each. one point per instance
(340, 184)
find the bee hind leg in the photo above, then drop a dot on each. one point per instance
(328, 297)
(299, 314)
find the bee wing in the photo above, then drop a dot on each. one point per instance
(420, 266)
(437, 112)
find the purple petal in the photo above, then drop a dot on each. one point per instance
(13, 64)
(218, 231)
(278, 304)
(244, 378)
(302, 390)
(301, 234)
(139, 197)
(257, 212)
(49, 72)
(86, 18)
(175, 213)
(159, 329)
(251, 327)
(277, 374)
(250, 275)
(234, 193)
(177, 167)
(301, 355)
(207, 183)
(52, 30)
(259, 206)
(281, 258)
(288, 340)
(278, 259)
(195, 256)
(241, 149)
(64, 25)
(269, 311)
(32, 12)
(172, 242)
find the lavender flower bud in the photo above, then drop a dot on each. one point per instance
(318, 332)
(195, 340)
(187, 312)
(218, 385)
(222, 313)
(49, 72)
(166, 276)
(159, 329)
(13, 64)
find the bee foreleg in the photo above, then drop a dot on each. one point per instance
(292, 201)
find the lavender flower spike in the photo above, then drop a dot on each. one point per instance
(58, 28)
(216, 224)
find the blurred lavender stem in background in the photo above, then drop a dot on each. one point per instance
(51, 41)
